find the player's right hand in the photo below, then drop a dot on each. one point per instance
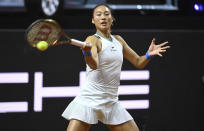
(87, 47)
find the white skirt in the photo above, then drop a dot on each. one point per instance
(110, 113)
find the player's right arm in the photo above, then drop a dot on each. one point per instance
(92, 60)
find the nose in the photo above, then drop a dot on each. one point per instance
(103, 16)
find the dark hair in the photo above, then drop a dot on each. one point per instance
(105, 6)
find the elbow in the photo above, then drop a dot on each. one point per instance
(94, 66)
(92, 63)
(140, 64)
(140, 67)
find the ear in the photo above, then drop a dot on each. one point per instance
(93, 21)
(113, 19)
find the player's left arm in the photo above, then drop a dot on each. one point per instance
(141, 61)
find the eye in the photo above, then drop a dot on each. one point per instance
(106, 14)
(98, 14)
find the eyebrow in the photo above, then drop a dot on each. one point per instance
(101, 11)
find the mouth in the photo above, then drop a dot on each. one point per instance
(104, 23)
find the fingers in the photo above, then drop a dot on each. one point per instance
(164, 48)
(159, 49)
(153, 41)
(163, 51)
(164, 43)
(159, 54)
(87, 47)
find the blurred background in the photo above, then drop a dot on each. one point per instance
(36, 87)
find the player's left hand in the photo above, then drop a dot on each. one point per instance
(157, 49)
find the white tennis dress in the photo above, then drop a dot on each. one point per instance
(98, 98)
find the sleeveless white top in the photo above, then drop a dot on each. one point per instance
(98, 98)
(101, 85)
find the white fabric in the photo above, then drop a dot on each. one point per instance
(98, 98)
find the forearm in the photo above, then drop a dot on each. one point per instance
(138, 61)
(91, 54)
(142, 62)
(92, 62)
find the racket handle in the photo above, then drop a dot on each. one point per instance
(78, 43)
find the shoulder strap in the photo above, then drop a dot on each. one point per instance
(96, 35)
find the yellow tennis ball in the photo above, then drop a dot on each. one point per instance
(42, 45)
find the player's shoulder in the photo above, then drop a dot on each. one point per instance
(118, 37)
(92, 37)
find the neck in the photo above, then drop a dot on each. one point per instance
(105, 34)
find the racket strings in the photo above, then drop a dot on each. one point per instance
(43, 31)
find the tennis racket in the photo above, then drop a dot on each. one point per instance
(50, 31)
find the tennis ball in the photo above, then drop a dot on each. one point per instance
(42, 45)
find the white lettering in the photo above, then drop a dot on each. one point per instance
(41, 92)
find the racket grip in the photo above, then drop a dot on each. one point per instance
(78, 43)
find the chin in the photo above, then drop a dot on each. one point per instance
(104, 28)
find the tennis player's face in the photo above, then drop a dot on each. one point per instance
(102, 18)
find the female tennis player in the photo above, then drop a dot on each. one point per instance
(98, 98)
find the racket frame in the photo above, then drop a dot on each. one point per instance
(61, 34)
